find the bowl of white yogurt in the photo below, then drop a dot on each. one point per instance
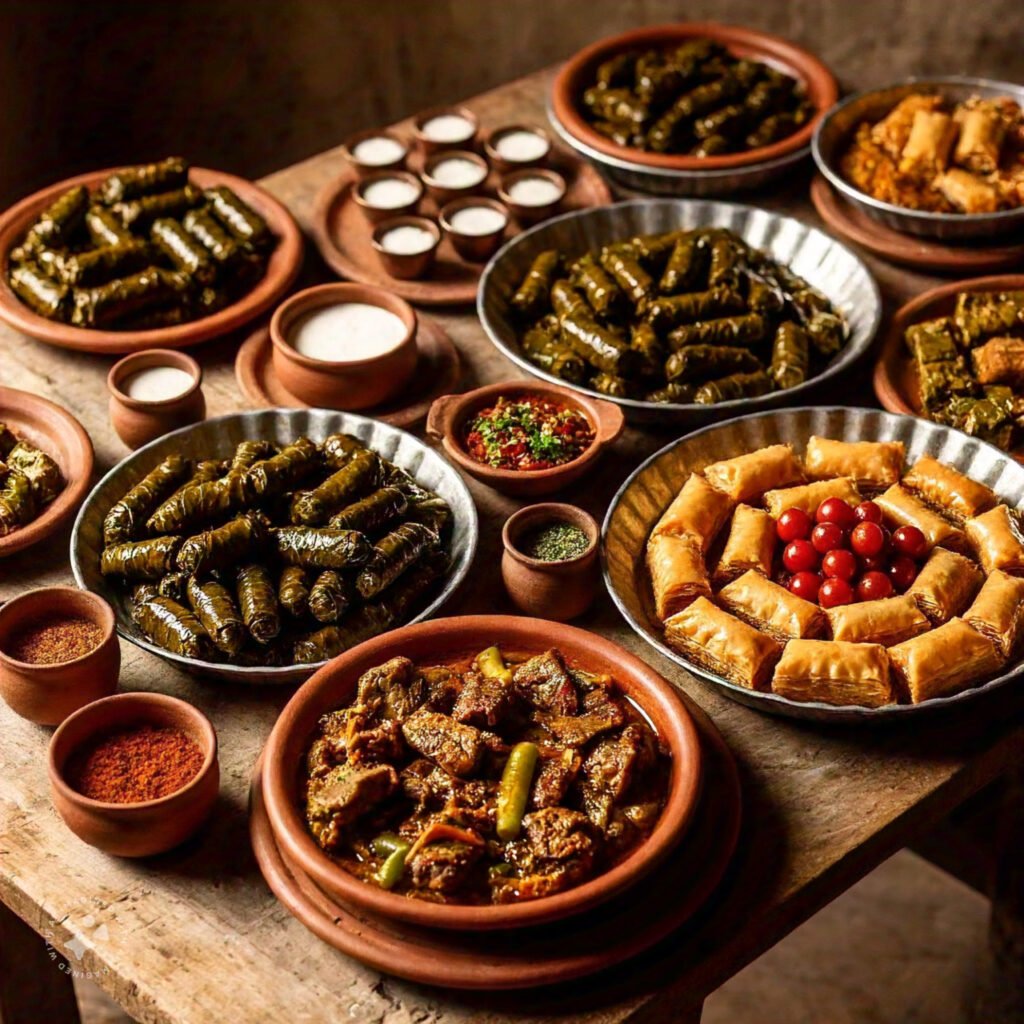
(445, 128)
(452, 174)
(344, 346)
(533, 194)
(475, 225)
(406, 246)
(385, 194)
(515, 146)
(375, 150)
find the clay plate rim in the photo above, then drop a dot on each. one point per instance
(451, 637)
(282, 269)
(53, 429)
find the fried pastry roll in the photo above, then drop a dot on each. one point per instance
(834, 672)
(887, 622)
(981, 136)
(903, 509)
(749, 545)
(967, 192)
(926, 152)
(945, 585)
(770, 608)
(698, 510)
(677, 573)
(872, 464)
(810, 496)
(998, 611)
(946, 489)
(747, 476)
(996, 539)
(944, 661)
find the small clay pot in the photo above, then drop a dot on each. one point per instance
(140, 829)
(375, 214)
(529, 213)
(47, 694)
(441, 193)
(355, 384)
(475, 248)
(138, 422)
(504, 164)
(429, 145)
(406, 265)
(550, 590)
(361, 167)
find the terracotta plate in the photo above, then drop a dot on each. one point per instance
(343, 234)
(908, 250)
(559, 952)
(55, 431)
(437, 373)
(282, 269)
(895, 378)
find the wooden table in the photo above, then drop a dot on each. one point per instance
(195, 936)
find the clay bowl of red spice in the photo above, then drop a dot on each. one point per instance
(451, 418)
(134, 774)
(58, 652)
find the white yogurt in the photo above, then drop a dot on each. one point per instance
(457, 172)
(534, 191)
(477, 220)
(390, 193)
(447, 128)
(406, 240)
(378, 150)
(347, 332)
(156, 383)
(520, 146)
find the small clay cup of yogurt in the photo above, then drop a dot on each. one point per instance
(533, 194)
(515, 146)
(476, 226)
(445, 128)
(154, 392)
(344, 346)
(407, 246)
(453, 174)
(376, 150)
(386, 194)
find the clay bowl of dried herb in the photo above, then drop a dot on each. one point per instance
(134, 774)
(58, 652)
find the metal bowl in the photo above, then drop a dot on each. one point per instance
(827, 264)
(834, 131)
(217, 438)
(641, 500)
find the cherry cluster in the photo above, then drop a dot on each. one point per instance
(845, 554)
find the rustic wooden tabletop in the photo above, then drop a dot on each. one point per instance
(195, 935)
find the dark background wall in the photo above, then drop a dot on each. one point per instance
(252, 85)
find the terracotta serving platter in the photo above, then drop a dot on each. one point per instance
(914, 251)
(55, 431)
(343, 234)
(528, 958)
(895, 377)
(437, 373)
(282, 269)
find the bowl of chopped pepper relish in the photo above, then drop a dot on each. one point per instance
(524, 438)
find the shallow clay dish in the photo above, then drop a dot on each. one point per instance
(895, 378)
(335, 684)
(152, 826)
(437, 373)
(852, 223)
(55, 431)
(578, 73)
(448, 416)
(282, 269)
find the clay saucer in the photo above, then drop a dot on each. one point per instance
(528, 958)
(345, 237)
(282, 269)
(436, 374)
(914, 251)
(895, 378)
(55, 431)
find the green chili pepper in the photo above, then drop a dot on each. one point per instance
(392, 868)
(492, 664)
(386, 843)
(514, 790)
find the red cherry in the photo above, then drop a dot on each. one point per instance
(834, 592)
(902, 572)
(839, 563)
(867, 539)
(793, 524)
(874, 563)
(909, 540)
(805, 585)
(873, 586)
(799, 556)
(826, 536)
(868, 512)
(835, 510)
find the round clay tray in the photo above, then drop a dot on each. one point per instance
(527, 958)
(908, 250)
(895, 377)
(282, 269)
(55, 431)
(577, 74)
(437, 373)
(343, 235)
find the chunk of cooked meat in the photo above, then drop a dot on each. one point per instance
(372, 746)
(344, 795)
(555, 775)
(319, 760)
(453, 746)
(601, 712)
(611, 766)
(414, 779)
(441, 688)
(545, 683)
(443, 857)
(484, 701)
(393, 690)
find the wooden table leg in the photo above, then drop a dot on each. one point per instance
(35, 984)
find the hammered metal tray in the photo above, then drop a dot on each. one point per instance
(641, 500)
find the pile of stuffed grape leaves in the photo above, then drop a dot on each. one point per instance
(145, 249)
(29, 481)
(278, 556)
(681, 317)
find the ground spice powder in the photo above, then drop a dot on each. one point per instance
(56, 640)
(138, 764)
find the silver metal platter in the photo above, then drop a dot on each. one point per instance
(217, 438)
(641, 500)
(826, 263)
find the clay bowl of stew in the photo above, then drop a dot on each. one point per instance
(455, 641)
(451, 417)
